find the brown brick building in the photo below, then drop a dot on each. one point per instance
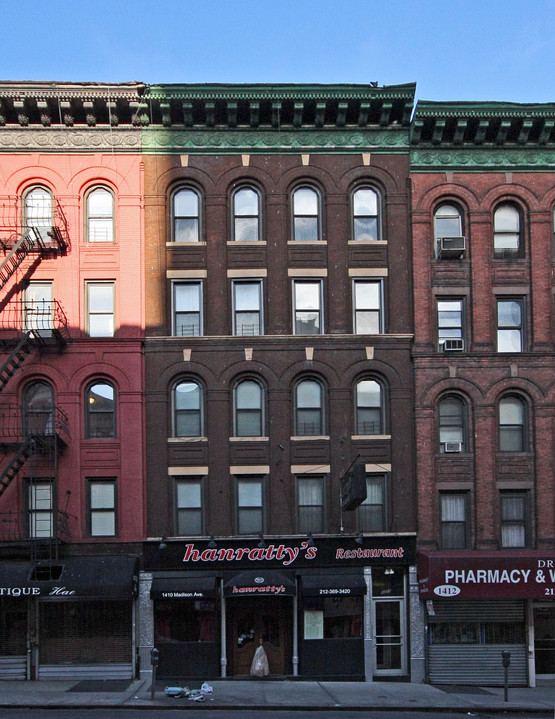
(483, 194)
(279, 328)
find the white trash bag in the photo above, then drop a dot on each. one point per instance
(259, 666)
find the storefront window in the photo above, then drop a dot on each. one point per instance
(185, 621)
(477, 633)
(333, 618)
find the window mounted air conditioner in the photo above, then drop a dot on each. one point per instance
(451, 247)
(453, 345)
(453, 446)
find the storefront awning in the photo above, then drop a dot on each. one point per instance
(71, 578)
(333, 585)
(183, 588)
(260, 582)
(501, 574)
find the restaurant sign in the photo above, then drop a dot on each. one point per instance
(281, 552)
(491, 575)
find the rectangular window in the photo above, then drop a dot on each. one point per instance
(102, 507)
(367, 307)
(41, 514)
(100, 309)
(453, 514)
(307, 307)
(188, 503)
(310, 504)
(38, 309)
(450, 325)
(187, 309)
(372, 511)
(514, 515)
(250, 515)
(510, 325)
(247, 308)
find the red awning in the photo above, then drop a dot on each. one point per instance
(502, 574)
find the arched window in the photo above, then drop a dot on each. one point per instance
(448, 231)
(38, 408)
(38, 210)
(309, 408)
(100, 410)
(187, 409)
(186, 216)
(246, 215)
(447, 221)
(452, 424)
(249, 409)
(369, 407)
(100, 215)
(507, 232)
(307, 226)
(366, 214)
(512, 424)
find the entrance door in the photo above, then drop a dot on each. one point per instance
(544, 639)
(388, 640)
(252, 621)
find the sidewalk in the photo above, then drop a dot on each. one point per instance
(261, 694)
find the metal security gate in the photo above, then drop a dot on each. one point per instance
(80, 639)
(466, 638)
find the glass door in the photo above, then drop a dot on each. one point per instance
(389, 632)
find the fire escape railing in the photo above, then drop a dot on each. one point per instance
(44, 233)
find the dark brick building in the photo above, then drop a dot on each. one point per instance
(483, 194)
(279, 328)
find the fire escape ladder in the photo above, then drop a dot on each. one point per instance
(16, 463)
(18, 355)
(26, 244)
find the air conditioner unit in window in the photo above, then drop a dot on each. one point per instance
(453, 446)
(451, 247)
(453, 345)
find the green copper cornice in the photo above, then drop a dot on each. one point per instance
(475, 159)
(160, 141)
(278, 92)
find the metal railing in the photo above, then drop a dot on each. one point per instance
(44, 424)
(40, 319)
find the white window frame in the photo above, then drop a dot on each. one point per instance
(298, 310)
(239, 328)
(198, 285)
(360, 307)
(108, 314)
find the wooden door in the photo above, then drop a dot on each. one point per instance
(251, 621)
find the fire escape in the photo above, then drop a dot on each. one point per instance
(33, 431)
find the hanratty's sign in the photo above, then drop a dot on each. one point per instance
(491, 575)
(282, 552)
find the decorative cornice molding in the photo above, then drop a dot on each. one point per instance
(279, 92)
(69, 140)
(177, 141)
(488, 159)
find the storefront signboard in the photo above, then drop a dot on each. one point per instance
(281, 552)
(487, 575)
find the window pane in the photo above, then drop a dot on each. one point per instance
(185, 204)
(38, 208)
(365, 202)
(246, 229)
(246, 202)
(509, 341)
(186, 230)
(250, 493)
(305, 201)
(250, 521)
(506, 219)
(307, 295)
(188, 495)
(187, 395)
(309, 394)
(103, 524)
(101, 298)
(511, 411)
(306, 229)
(102, 495)
(247, 296)
(448, 222)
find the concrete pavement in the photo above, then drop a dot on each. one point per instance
(263, 694)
